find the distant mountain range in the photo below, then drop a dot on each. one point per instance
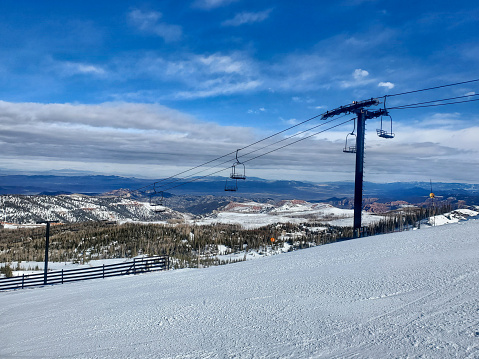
(412, 192)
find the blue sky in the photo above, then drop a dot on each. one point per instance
(151, 88)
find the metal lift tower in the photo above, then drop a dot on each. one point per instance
(358, 108)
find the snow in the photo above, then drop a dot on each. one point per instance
(402, 295)
(54, 266)
(252, 215)
(452, 217)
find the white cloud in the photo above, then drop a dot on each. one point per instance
(149, 22)
(76, 68)
(359, 74)
(302, 99)
(156, 141)
(211, 4)
(219, 88)
(360, 78)
(191, 67)
(114, 133)
(292, 121)
(261, 109)
(247, 18)
(388, 85)
(219, 63)
(202, 75)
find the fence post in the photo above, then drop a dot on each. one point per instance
(23, 279)
(62, 275)
(134, 265)
(103, 272)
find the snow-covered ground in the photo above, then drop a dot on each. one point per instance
(403, 295)
(32, 267)
(254, 215)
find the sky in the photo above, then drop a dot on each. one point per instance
(154, 88)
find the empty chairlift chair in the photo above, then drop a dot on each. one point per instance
(231, 186)
(237, 173)
(350, 145)
(382, 132)
(157, 201)
(238, 170)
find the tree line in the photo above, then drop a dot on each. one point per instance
(188, 245)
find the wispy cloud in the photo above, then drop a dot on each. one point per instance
(219, 88)
(211, 4)
(388, 85)
(201, 76)
(360, 77)
(247, 18)
(149, 22)
(256, 111)
(75, 68)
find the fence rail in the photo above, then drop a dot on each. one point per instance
(137, 266)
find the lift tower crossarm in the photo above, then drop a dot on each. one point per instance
(352, 108)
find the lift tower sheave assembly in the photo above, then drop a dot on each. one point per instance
(358, 108)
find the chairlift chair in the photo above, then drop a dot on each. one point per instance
(348, 148)
(157, 200)
(236, 171)
(382, 132)
(231, 186)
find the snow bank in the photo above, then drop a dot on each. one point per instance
(409, 294)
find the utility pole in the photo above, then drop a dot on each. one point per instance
(358, 108)
(47, 243)
(359, 174)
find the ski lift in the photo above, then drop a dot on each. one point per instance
(236, 171)
(348, 148)
(382, 132)
(231, 186)
(432, 196)
(157, 200)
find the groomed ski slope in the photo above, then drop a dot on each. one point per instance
(404, 295)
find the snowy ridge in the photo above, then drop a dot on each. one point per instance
(77, 208)
(401, 295)
(454, 216)
(253, 214)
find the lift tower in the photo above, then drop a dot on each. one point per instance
(358, 108)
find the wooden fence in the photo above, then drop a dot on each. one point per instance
(137, 266)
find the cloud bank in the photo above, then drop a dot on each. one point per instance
(155, 141)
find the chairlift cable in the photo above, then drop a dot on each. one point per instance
(444, 99)
(228, 154)
(406, 107)
(253, 151)
(301, 139)
(314, 117)
(433, 88)
(261, 155)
